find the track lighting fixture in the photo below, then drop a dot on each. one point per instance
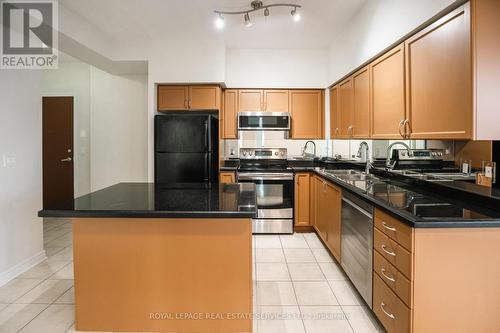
(256, 6)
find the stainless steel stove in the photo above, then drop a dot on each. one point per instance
(267, 168)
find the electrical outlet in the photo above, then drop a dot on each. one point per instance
(8, 161)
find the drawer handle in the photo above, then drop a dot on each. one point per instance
(388, 252)
(390, 315)
(385, 225)
(386, 276)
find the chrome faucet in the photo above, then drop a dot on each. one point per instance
(388, 163)
(305, 148)
(362, 145)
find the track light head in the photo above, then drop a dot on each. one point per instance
(219, 22)
(295, 15)
(248, 23)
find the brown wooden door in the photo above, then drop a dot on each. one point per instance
(439, 85)
(346, 108)
(173, 98)
(230, 115)
(57, 151)
(204, 98)
(302, 208)
(388, 95)
(333, 200)
(321, 209)
(276, 100)
(334, 113)
(361, 91)
(251, 100)
(306, 108)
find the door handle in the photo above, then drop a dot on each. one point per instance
(407, 134)
(403, 135)
(69, 159)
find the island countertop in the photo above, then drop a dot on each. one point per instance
(147, 200)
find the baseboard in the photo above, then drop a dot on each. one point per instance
(22, 267)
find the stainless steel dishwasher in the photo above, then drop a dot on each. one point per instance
(357, 243)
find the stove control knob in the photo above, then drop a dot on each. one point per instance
(244, 153)
(403, 153)
(250, 153)
(282, 153)
(275, 153)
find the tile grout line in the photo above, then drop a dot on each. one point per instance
(293, 286)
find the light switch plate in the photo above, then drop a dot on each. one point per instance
(8, 161)
(488, 172)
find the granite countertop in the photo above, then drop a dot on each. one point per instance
(145, 200)
(416, 206)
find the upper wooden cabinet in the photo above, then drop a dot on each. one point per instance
(439, 85)
(307, 111)
(171, 98)
(334, 113)
(276, 100)
(361, 91)
(346, 108)
(229, 114)
(251, 100)
(387, 75)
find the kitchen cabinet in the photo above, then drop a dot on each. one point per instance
(307, 111)
(361, 94)
(175, 98)
(327, 220)
(388, 110)
(314, 183)
(276, 100)
(438, 79)
(302, 203)
(346, 108)
(334, 113)
(229, 116)
(250, 100)
(172, 98)
(333, 202)
(227, 177)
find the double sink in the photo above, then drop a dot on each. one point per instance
(350, 175)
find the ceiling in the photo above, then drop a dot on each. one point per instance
(124, 21)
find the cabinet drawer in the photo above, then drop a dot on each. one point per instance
(390, 310)
(395, 229)
(393, 252)
(393, 278)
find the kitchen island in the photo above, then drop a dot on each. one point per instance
(163, 259)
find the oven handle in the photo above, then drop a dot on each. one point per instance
(265, 176)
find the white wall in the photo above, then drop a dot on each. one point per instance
(379, 24)
(21, 231)
(272, 68)
(73, 79)
(118, 128)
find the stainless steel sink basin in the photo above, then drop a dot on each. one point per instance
(360, 176)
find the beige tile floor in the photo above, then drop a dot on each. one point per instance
(298, 288)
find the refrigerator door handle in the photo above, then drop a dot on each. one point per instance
(207, 168)
(207, 133)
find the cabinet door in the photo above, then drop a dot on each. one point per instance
(229, 115)
(333, 201)
(276, 100)
(306, 107)
(227, 178)
(439, 85)
(388, 95)
(334, 113)
(361, 91)
(321, 209)
(346, 108)
(204, 98)
(302, 207)
(312, 200)
(251, 100)
(172, 98)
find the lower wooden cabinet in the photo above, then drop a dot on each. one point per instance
(302, 199)
(327, 214)
(227, 177)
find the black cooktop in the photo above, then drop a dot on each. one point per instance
(264, 166)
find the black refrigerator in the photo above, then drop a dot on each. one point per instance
(186, 149)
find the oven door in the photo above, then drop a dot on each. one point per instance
(270, 121)
(275, 193)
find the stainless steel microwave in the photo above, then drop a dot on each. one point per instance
(267, 121)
